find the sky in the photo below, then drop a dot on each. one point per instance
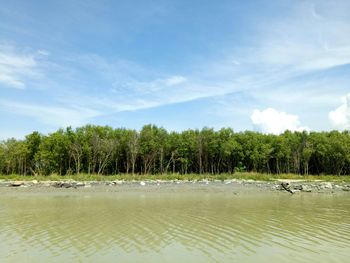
(259, 65)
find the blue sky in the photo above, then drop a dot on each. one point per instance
(249, 65)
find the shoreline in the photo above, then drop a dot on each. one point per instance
(178, 177)
(288, 186)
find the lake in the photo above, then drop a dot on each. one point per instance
(173, 224)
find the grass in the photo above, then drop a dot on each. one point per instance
(137, 177)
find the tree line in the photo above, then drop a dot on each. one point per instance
(153, 150)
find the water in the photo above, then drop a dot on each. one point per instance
(190, 225)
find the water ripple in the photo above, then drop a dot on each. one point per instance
(213, 228)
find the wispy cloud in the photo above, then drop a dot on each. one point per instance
(16, 66)
(143, 87)
(312, 37)
(128, 86)
(305, 41)
(175, 80)
(52, 115)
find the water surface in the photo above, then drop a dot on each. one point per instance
(192, 225)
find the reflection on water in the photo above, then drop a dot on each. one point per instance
(171, 227)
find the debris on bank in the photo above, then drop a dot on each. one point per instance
(310, 187)
(288, 186)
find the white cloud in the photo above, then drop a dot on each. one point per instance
(340, 117)
(276, 122)
(309, 38)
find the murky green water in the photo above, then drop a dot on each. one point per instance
(171, 226)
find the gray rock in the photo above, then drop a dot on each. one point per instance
(305, 188)
(277, 187)
(17, 183)
(326, 185)
(65, 185)
(346, 188)
(298, 187)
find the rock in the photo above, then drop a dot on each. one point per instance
(34, 181)
(16, 183)
(277, 187)
(205, 181)
(142, 183)
(57, 184)
(326, 185)
(346, 188)
(285, 185)
(87, 185)
(65, 185)
(80, 184)
(306, 188)
(116, 182)
(298, 187)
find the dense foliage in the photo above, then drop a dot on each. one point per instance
(104, 150)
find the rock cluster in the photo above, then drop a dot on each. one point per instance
(68, 184)
(283, 185)
(346, 188)
(310, 187)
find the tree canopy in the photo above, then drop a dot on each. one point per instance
(104, 150)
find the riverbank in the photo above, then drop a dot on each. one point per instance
(289, 186)
(180, 177)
